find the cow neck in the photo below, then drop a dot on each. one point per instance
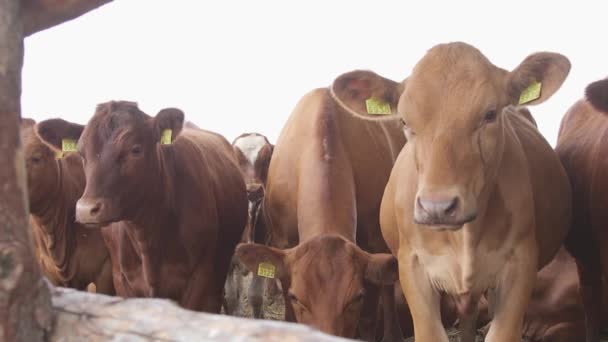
(56, 218)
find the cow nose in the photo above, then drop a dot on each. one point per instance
(438, 207)
(88, 210)
(255, 192)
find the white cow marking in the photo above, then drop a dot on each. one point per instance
(250, 146)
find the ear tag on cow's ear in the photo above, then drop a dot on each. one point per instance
(531, 93)
(266, 270)
(165, 137)
(67, 145)
(377, 106)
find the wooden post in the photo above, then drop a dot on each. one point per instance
(25, 305)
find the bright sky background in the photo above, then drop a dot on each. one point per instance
(241, 66)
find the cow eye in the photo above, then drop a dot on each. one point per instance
(35, 159)
(136, 149)
(490, 116)
(293, 298)
(407, 130)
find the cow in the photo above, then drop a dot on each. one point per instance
(325, 183)
(581, 145)
(175, 193)
(253, 152)
(477, 201)
(68, 253)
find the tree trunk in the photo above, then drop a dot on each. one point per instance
(25, 312)
(38, 15)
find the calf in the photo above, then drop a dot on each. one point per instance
(69, 254)
(325, 182)
(175, 192)
(477, 200)
(582, 146)
(253, 153)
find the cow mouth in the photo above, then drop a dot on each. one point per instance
(443, 225)
(97, 224)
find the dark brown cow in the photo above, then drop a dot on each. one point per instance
(582, 146)
(326, 178)
(478, 200)
(69, 254)
(253, 152)
(180, 205)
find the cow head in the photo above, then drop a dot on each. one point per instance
(597, 95)
(43, 170)
(253, 153)
(453, 108)
(325, 279)
(120, 149)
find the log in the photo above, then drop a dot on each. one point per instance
(40, 15)
(25, 305)
(83, 316)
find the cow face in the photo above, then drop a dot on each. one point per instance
(253, 153)
(597, 95)
(453, 109)
(41, 166)
(325, 279)
(120, 152)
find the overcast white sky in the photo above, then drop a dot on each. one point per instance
(241, 66)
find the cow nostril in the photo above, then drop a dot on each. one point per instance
(451, 208)
(96, 208)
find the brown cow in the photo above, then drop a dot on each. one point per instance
(325, 183)
(69, 254)
(253, 152)
(582, 145)
(477, 200)
(176, 193)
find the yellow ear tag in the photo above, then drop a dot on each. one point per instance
(266, 270)
(376, 106)
(67, 145)
(165, 137)
(531, 93)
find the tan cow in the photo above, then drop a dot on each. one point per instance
(477, 201)
(68, 253)
(326, 178)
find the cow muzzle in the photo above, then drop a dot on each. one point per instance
(93, 212)
(255, 192)
(441, 212)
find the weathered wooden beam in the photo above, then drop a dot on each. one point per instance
(83, 316)
(39, 15)
(25, 313)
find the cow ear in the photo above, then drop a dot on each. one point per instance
(367, 95)
(382, 269)
(169, 123)
(537, 78)
(53, 131)
(262, 260)
(597, 95)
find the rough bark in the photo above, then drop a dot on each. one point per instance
(83, 316)
(39, 15)
(25, 312)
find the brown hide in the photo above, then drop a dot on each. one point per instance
(326, 179)
(69, 254)
(180, 208)
(477, 200)
(582, 145)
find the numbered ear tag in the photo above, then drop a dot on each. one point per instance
(165, 137)
(377, 106)
(67, 145)
(531, 93)
(266, 270)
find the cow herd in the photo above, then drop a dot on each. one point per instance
(384, 210)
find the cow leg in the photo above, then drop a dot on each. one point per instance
(255, 295)
(422, 299)
(231, 290)
(289, 314)
(392, 330)
(513, 294)
(468, 322)
(369, 309)
(104, 282)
